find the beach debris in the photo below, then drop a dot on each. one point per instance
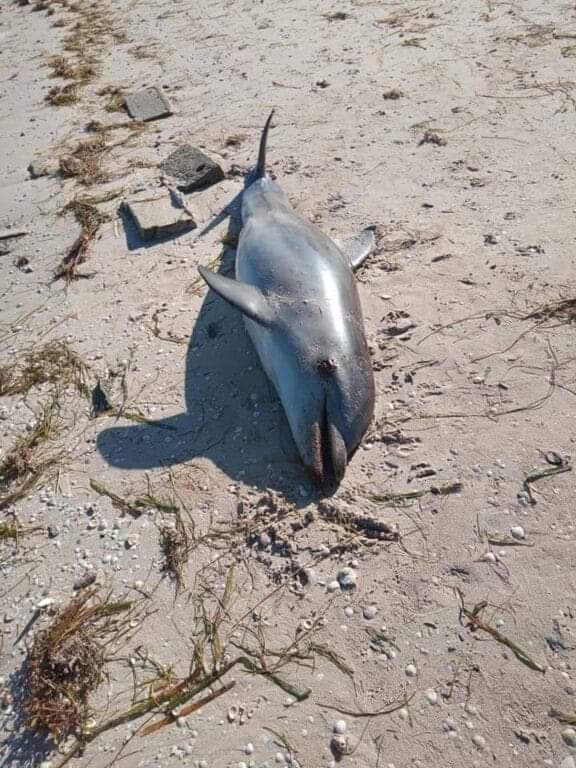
(6, 234)
(475, 622)
(158, 217)
(192, 169)
(347, 578)
(66, 661)
(148, 104)
(45, 167)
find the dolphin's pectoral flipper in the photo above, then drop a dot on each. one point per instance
(247, 298)
(358, 248)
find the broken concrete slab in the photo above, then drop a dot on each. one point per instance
(146, 105)
(157, 217)
(192, 169)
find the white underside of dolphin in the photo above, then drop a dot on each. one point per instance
(296, 289)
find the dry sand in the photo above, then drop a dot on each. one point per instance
(469, 175)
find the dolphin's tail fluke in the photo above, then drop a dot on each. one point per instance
(261, 167)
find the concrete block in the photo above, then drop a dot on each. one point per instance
(192, 169)
(157, 217)
(149, 104)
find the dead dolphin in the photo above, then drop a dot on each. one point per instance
(297, 292)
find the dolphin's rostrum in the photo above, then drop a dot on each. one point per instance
(300, 302)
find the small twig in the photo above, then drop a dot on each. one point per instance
(476, 622)
(539, 474)
(379, 713)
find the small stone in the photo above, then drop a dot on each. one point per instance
(518, 532)
(479, 741)
(249, 749)
(340, 746)
(411, 670)
(347, 578)
(159, 217)
(370, 612)
(349, 611)
(192, 168)
(432, 696)
(84, 581)
(449, 724)
(490, 240)
(149, 104)
(339, 727)
(489, 557)
(53, 531)
(333, 586)
(569, 736)
(39, 168)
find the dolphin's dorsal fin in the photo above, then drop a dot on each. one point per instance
(247, 298)
(358, 248)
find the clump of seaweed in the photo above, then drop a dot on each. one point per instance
(53, 363)
(65, 663)
(565, 309)
(175, 544)
(25, 463)
(81, 72)
(116, 97)
(12, 531)
(84, 163)
(63, 95)
(90, 219)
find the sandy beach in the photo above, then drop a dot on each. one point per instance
(174, 591)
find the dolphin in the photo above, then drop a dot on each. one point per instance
(296, 289)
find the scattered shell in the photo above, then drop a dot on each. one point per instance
(432, 696)
(339, 727)
(411, 670)
(370, 612)
(489, 557)
(333, 586)
(349, 611)
(249, 748)
(347, 578)
(479, 741)
(569, 736)
(518, 532)
(232, 713)
(449, 724)
(340, 745)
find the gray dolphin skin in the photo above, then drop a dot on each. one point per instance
(297, 292)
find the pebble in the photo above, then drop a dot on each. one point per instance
(339, 727)
(347, 578)
(411, 670)
(349, 611)
(249, 748)
(518, 532)
(489, 557)
(432, 696)
(333, 586)
(479, 741)
(370, 612)
(569, 736)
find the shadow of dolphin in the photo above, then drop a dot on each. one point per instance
(233, 416)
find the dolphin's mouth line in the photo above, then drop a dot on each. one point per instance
(328, 449)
